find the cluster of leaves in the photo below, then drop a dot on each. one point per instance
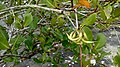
(39, 32)
(117, 58)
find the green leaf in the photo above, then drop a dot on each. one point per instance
(3, 39)
(65, 65)
(65, 43)
(116, 12)
(85, 62)
(101, 40)
(29, 43)
(9, 20)
(102, 26)
(58, 33)
(28, 18)
(18, 23)
(88, 33)
(41, 39)
(94, 2)
(1, 6)
(61, 21)
(118, 48)
(117, 60)
(53, 21)
(49, 3)
(33, 25)
(37, 60)
(90, 20)
(3, 29)
(7, 59)
(44, 56)
(16, 41)
(102, 14)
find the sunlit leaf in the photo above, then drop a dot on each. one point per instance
(28, 18)
(102, 14)
(3, 39)
(33, 25)
(18, 23)
(101, 40)
(88, 33)
(90, 20)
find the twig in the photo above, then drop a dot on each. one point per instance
(37, 2)
(1, 17)
(30, 2)
(71, 3)
(76, 18)
(71, 21)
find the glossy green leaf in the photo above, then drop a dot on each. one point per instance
(28, 18)
(88, 33)
(90, 20)
(3, 39)
(101, 40)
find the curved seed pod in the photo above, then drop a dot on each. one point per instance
(87, 41)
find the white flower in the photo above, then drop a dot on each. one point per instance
(70, 57)
(93, 61)
(102, 62)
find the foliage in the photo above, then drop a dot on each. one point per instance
(51, 28)
(117, 58)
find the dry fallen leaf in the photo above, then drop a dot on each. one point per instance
(82, 3)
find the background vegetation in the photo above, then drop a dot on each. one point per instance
(52, 31)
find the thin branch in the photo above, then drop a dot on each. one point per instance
(30, 2)
(37, 2)
(33, 6)
(71, 21)
(71, 3)
(11, 14)
(76, 18)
